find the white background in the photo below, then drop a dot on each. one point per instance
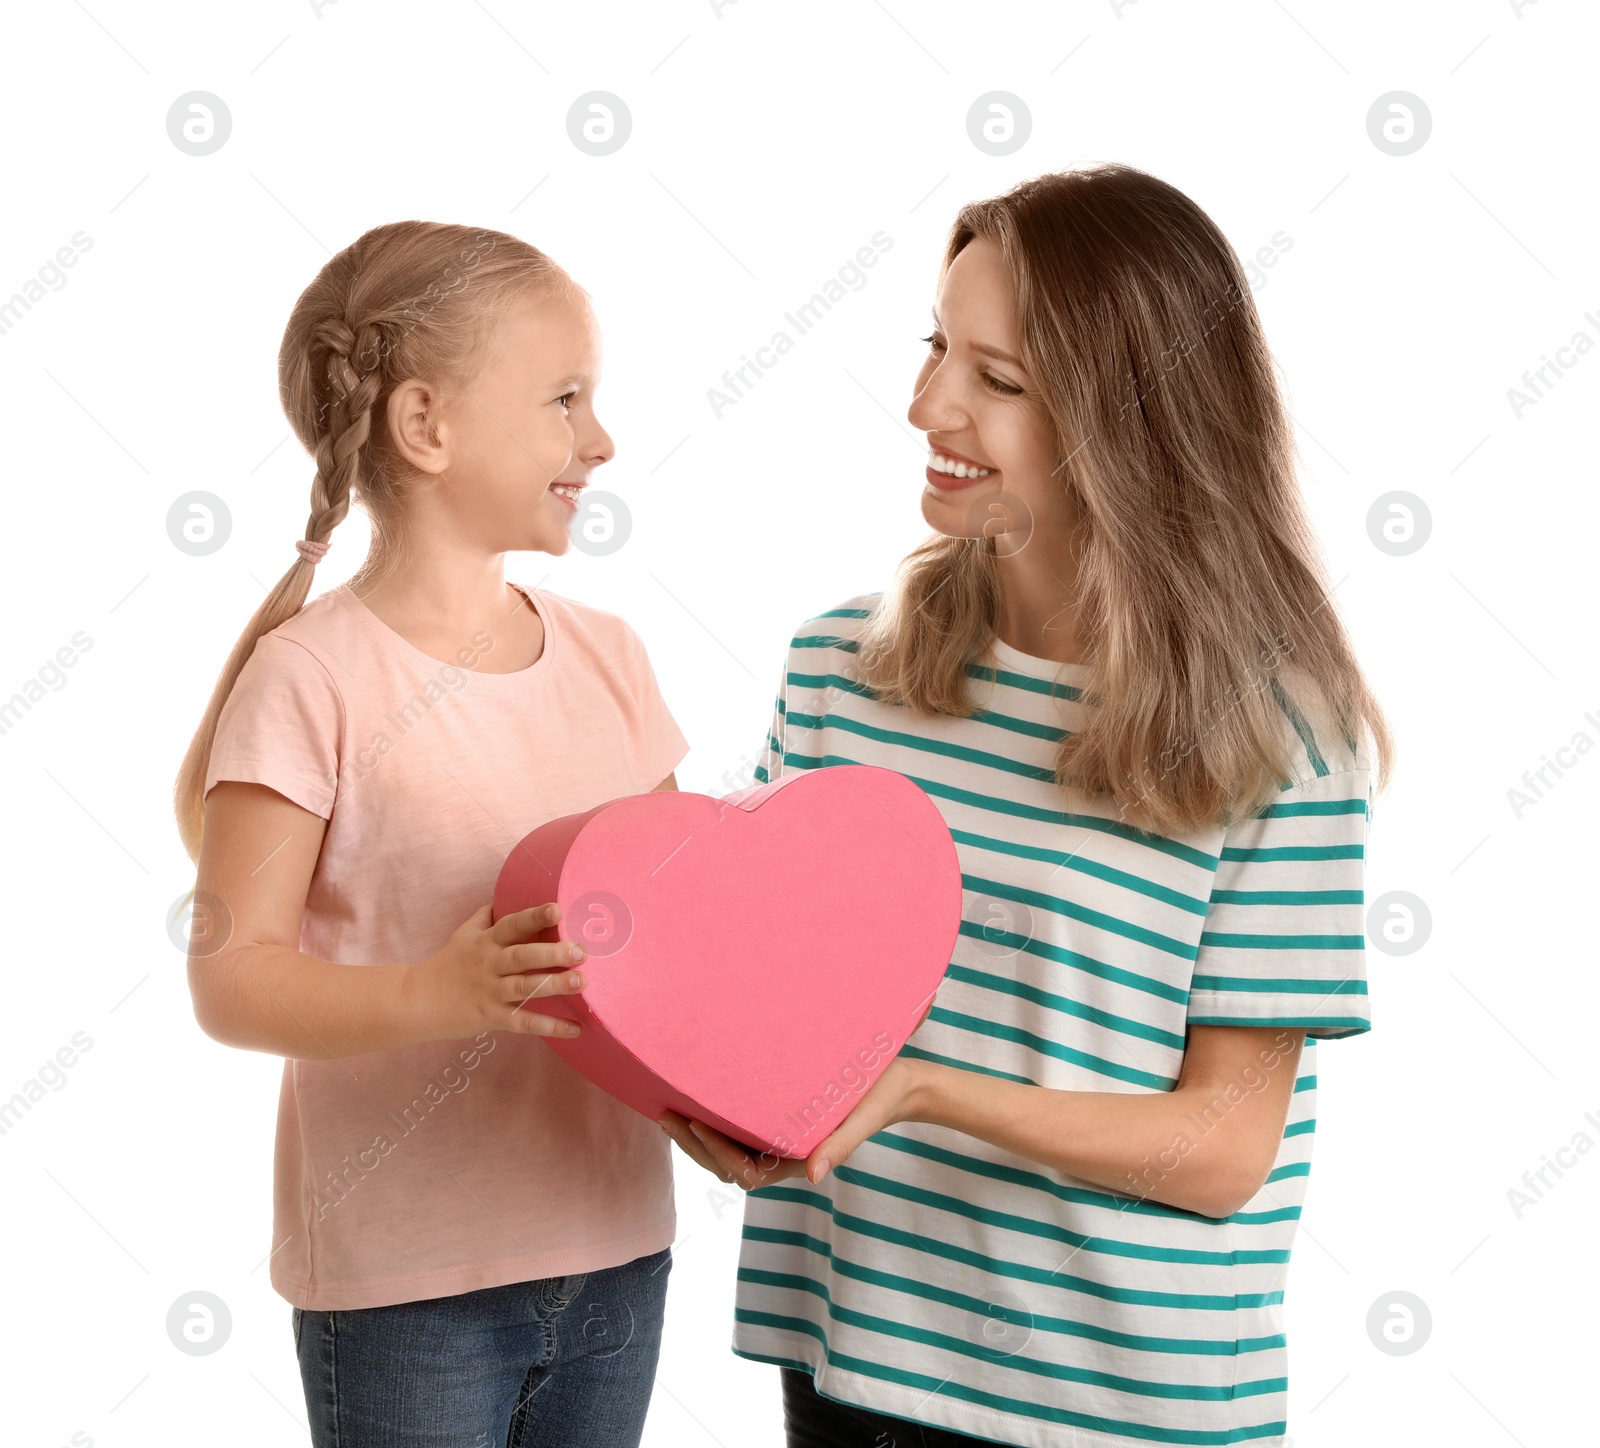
(769, 143)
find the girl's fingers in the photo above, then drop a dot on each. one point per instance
(542, 955)
(542, 983)
(524, 924)
(531, 1023)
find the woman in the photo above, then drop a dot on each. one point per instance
(1064, 1213)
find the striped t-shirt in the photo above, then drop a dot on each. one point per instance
(939, 1278)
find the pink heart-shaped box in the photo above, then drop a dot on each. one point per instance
(756, 961)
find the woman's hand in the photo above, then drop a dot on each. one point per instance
(486, 972)
(891, 1099)
(726, 1158)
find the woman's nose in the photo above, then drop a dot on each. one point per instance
(933, 408)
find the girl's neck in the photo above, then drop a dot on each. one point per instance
(442, 605)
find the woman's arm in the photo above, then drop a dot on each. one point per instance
(1206, 1146)
(253, 988)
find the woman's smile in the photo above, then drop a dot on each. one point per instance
(949, 471)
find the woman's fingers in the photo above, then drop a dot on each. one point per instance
(750, 1172)
(678, 1129)
(724, 1157)
(728, 1166)
(883, 1105)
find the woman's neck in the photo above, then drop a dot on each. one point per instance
(1038, 614)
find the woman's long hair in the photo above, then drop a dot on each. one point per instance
(1199, 588)
(412, 299)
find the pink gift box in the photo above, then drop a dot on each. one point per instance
(754, 962)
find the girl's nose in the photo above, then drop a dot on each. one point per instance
(597, 447)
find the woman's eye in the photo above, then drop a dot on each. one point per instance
(993, 383)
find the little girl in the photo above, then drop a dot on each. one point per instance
(476, 1241)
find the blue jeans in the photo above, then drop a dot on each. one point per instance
(560, 1362)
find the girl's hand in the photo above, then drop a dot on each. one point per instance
(891, 1099)
(486, 971)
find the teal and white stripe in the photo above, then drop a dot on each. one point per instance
(939, 1278)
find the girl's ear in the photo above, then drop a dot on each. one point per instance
(416, 425)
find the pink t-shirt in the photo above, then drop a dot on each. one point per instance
(441, 1168)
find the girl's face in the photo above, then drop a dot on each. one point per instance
(516, 448)
(983, 413)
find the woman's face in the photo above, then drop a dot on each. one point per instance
(982, 411)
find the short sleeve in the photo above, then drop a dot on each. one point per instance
(1283, 942)
(769, 758)
(282, 726)
(662, 742)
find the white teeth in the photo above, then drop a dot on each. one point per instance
(942, 464)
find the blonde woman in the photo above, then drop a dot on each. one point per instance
(1064, 1214)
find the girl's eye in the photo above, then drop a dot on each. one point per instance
(566, 399)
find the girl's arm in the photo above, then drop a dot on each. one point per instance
(253, 988)
(1206, 1146)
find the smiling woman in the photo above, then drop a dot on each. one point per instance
(1064, 1214)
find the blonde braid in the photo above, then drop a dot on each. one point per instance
(347, 403)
